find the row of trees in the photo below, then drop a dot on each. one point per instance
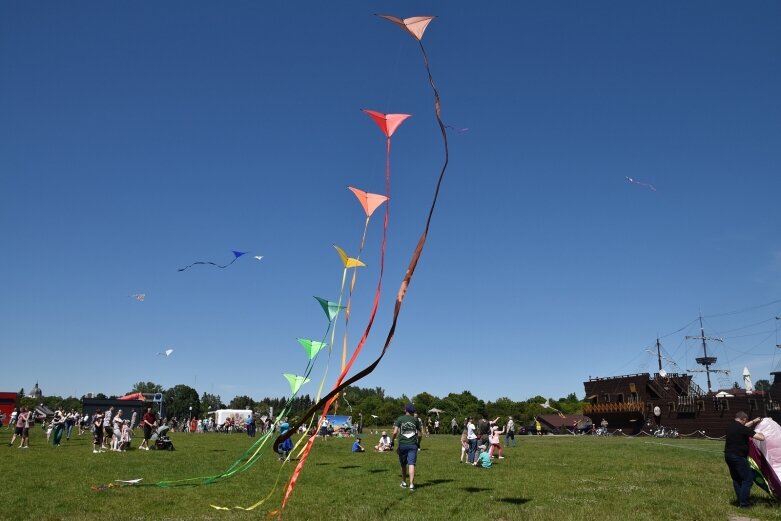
(370, 405)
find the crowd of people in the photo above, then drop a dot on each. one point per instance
(481, 443)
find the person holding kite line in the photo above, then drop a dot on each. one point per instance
(407, 429)
(495, 442)
(736, 455)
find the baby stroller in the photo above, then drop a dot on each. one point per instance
(161, 439)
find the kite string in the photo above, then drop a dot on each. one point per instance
(400, 295)
(337, 388)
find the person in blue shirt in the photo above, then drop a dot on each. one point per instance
(287, 445)
(357, 447)
(483, 459)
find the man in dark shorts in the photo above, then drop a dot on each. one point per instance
(22, 427)
(97, 432)
(407, 429)
(736, 454)
(147, 423)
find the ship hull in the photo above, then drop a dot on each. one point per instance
(641, 403)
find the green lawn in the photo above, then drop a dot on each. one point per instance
(543, 478)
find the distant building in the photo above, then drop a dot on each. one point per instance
(35, 392)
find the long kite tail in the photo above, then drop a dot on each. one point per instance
(405, 281)
(328, 399)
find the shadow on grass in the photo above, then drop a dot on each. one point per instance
(431, 483)
(349, 467)
(514, 500)
(377, 471)
(472, 490)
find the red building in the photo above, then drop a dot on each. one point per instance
(7, 405)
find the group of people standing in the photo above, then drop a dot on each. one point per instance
(114, 432)
(481, 442)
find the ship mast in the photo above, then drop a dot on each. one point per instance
(706, 360)
(659, 354)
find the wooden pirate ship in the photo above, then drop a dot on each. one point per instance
(646, 402)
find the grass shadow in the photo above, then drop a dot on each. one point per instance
(350, 467)
(514, 500)
(472, 490)
(431, 483)
(377, 471)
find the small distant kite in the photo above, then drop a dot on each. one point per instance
(167, 352)
(236, 255)
(459, 130)
(138, 296)
(547, 405)
(640, 183)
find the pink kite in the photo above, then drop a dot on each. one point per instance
(415, 26)
(370, 202)
(388, 123)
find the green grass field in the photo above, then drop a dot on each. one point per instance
(543, 478)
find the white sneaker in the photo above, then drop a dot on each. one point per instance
(94, 451)
(403, 484)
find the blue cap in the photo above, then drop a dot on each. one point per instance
(410, 408)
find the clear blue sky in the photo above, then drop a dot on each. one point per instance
(138, 137)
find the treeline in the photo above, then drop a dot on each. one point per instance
(372, 406)
(369, 405)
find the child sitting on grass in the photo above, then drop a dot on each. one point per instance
(483, 459)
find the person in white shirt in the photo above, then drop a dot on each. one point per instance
(385, 443)
(471, 439)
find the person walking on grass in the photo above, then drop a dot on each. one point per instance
(407, 429)
(147, 423)
(58, 426)
(509, 432)
(736, 443)
(12, 421)
(21, 426)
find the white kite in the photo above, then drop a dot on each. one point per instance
(130, 481)
(167, 352)
(547, 405)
